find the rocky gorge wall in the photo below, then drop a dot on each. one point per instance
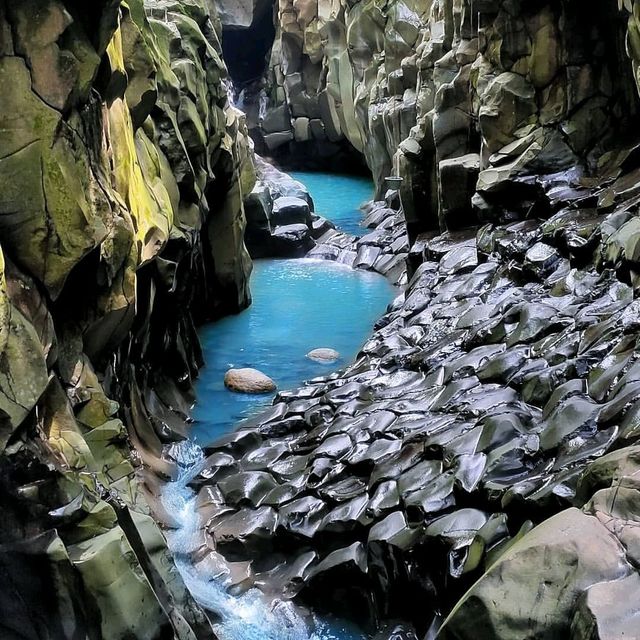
(457, 96)
(123, 169)
(498, 394)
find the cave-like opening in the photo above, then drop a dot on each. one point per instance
(247, 48)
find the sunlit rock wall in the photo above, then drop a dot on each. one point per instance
(122, 174)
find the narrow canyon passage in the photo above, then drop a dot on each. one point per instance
(298, 305)
(446, 442)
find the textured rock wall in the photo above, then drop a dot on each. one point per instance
(453, 88)
(122, 174)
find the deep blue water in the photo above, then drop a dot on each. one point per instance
(338, 198)
(298, 305)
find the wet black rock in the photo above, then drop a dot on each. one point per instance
(280, 220)
(384, 250)
(498, 393)
(290, 210)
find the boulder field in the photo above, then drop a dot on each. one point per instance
(474, 472)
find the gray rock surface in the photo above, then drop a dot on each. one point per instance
(323, 354)
(465, 446)
(280, 219)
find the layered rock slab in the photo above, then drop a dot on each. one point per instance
(475, 411)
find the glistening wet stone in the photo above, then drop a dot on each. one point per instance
(478, 402)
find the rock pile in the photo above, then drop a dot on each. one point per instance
(281, 223)
(280, 218)
(483, 404)
(384, 250)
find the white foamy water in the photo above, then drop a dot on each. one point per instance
(251, 615)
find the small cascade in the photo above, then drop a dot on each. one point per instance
(231, 93)
(251, 615)
(256, 338)
(263, 104)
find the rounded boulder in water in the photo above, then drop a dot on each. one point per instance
(248, 381)
(323, 355)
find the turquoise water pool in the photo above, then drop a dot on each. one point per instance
(338, 198)
(298, 305)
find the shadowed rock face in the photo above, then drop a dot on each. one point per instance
(247, 37)
(122, 174)
(452, 88)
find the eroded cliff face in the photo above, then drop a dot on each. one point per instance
(444, 90)
(480, 403)
(122, 174)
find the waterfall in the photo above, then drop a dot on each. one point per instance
(231, 91)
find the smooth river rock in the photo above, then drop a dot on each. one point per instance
(323, 355)
(248, 381)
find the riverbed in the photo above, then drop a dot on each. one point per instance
(338, 197)
(298, 305)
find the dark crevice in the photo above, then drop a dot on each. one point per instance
(247, 50)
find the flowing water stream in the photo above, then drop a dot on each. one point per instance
(298, 305)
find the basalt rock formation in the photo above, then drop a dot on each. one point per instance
(281, 223)
(280, 218)
(383, 248)
(500, 392)
(442, 90)
(123, 169)
(475, 472)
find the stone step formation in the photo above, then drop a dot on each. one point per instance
(498, 393)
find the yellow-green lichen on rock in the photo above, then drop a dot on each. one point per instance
(119, 153)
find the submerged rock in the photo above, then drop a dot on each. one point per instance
(323, 355)
(248, 381)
